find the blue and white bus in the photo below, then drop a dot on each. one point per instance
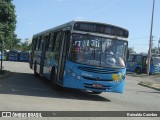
(138, 63)
(13, 55)
(82, 55)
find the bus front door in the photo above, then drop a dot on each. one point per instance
(62, 56)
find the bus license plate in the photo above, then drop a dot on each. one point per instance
(97, 85)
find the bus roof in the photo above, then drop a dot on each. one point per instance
(71, 23)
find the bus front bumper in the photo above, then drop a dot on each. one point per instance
(97, 86)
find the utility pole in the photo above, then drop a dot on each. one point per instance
(150, 42)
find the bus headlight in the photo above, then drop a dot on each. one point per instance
(115, 77)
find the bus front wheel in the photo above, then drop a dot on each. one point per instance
(138, 70)
(53, 81)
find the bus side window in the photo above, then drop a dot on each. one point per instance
(139, 59)
(34, 43)
(36, 48)
(47, 39)
(52, 40)
(39, 43)
(131, 58)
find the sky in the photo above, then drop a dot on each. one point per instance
(34, 16)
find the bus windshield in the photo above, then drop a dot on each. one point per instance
(98, 51)
(13, 53)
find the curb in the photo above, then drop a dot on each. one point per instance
(6, 75)
(150, 85)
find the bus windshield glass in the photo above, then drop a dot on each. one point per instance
(98, 51)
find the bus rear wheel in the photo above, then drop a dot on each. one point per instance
(35, 70)
(53, 81)
(138, 70)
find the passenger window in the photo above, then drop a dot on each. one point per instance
(34, 43)
(50, 47)
(47, 39)
(131, 58)
(38, 43)
(41, 43)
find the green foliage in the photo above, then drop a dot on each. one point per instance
(131, 50)
(25, 47)
(8, 24)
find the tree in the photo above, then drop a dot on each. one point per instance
(131, 50)
(7, 24)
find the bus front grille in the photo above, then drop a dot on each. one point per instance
(98, 70)
(97, 79)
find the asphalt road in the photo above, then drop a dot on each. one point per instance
(23, 92)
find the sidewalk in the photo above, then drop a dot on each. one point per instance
(152, 81)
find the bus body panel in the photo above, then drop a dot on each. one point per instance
(76, 78)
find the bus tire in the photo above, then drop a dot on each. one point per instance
(35, 69)
(94, 92)
(138, 70)
(54, 84)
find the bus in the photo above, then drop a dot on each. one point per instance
(13, 55)
(138, 63)
(82, 55)
(24, 56)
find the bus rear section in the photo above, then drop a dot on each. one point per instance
(24, 56)
(72, 57)
(13, 55)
